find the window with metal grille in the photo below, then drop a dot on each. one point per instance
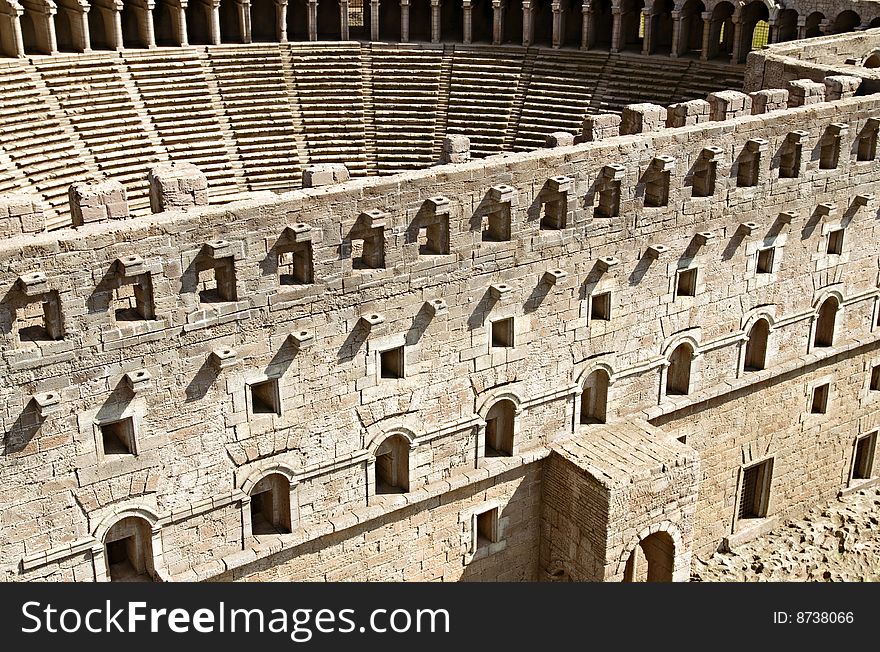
(355, 13)
(755, 490)
(760, 35)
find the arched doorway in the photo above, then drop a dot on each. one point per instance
(652, 560)
(198, 21)
(813, 25)
(786, 26)
(64, 39)
(389, 20)
(572, 23)
(513, 23)
(690, 40)
(329, 21)
(451, 21)
(756, 346)
(661, 27)
(165, 23)
(392, 466)
(542, 22)
(846, 21)
(500, 421)
(420, 20)
(594, 398)
(128, 551)
(721, 31)
(678, 373)
(298, 20)
(754, 28)
(134, 22)
(481, 21)
(270, 505)
(631, 27)
(230, 22)
(603, 24)
(826, 322)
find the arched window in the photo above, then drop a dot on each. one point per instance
(846, 21)
(392, 465)
(678, 374)
(755, 28)
(270, 505)
(128, 551)
(652, 560)
(499, 428)
(756, 347)
(594, 397)
(825, 322)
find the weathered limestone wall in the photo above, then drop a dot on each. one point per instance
(201, 446)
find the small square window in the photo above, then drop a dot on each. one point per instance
(117, 437)
(265, 398)
(819, 404)
(600, 306)
(835, 242)
(502, 333)
(487, 528)
(686, 285)
(875, 378)
(391, 363)
(295, 265)
(765, 260)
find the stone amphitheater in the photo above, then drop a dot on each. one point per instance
(509, 290)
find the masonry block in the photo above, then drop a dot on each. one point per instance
(324, 174)
(177, 186)
(771, 99)
(456, 149)
(841, 87)
(726, 105)
(559, 139)
(803, 92)
(20, 213)
(687, 113)
(642, 118)
(97, 201)
(600, 126)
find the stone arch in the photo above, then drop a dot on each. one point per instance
(721, 30)
(542, 22)
(677, 372)
(500, 411)
(872, 60)
(137, 23)
(846, 21)
(389, 20)
(786, 25)
(265, 21)
(67, 27)
(166, 23)
(631, 24)
(451, 21)
(593, 404)
(267, 467)
(102, 25)
(875, 22)
(827, 308)
(754, 23)
(391, 463)
(513, 22)
(661, 26)
(10, 22)
(200, 15)
(481, 21)
(813, 25)
(230, 18)
(128, 545)
(420, 20)
(692, 25)
(755, 357)
(270, 505)
(572, 23)
(680, 563)
(38, 28)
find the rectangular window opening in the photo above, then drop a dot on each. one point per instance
(755, 492)
(790, 161)
(216, 283)
(265, 397)
(686, 285)
(487, 528)
(819, 403)
(875, 378)
(502, 333)
(391, 363)
(600, 306)
(609, 201)
(835, 241)
(867, 148)
(496, 224)
(117, 437)
(765, 261)
(553, 212)
(295, 265)
(863, 462)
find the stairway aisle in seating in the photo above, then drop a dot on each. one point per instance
(633, 78)
(406, 82)
(558, 96)
(177, 98)
(482, 93)
(250, 83)
(92, 92)
(329, 91)
(46, 156)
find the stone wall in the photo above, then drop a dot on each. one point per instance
(202, 443)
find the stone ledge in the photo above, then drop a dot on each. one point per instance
(751, 531)
(857, 485)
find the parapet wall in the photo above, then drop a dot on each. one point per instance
(402, 265)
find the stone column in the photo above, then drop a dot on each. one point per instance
(467, 22)
(374, 19)
(497, 22)
(117, 28)
(802, 27)
(707, 31)
(586, 25)
(616, 26)
(180, 19)
(16, 47)
(647, 40)
(404, 21)
(435, 20)
(312, 20)
(737, 40)
(244, 19)
(214, 24)
(343, 19)
(558, 23)
(528, 32)
(676, 48)
(773, 33)
(281, 20)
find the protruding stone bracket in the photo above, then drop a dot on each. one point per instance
(748, 228)
(436, 307)
(786, 217)
(703, 238)
(300, 232)
(554, 277)
(712, 153)
(500, 291)
(656, 251)
(374, 219)
(438, 205)
(826, 209)
(606, 263)
(33, 284)
(863, 199)
(757, 145)
(131, 265)
(372, 320)
(501, 193)
(216, 249)
(47, 403)
(138, 380)
(559, 184)
(302, 339)
(614, 172)
(663, 163)
(838, 128)
(223, 358)
(797, 137)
